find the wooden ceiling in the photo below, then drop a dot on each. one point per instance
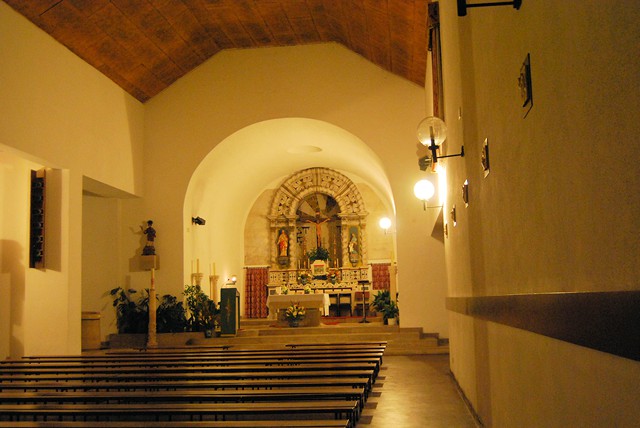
(146, 45)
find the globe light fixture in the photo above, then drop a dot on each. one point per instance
(385, 224)
(432, 133)
(424, 190)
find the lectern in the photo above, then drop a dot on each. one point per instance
(229, 311)
(364, 283)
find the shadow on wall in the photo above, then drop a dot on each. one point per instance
(12, 299)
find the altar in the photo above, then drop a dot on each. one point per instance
(315, 305)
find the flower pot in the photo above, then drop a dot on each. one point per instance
(294, 323)
(391, 321)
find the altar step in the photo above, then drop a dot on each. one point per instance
(262, 332)
(400, 340)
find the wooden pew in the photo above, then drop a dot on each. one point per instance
(179, 385)
(187, 396)
(212, 378)
(161, 412)
(315, 423)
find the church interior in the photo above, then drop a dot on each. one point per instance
(274, 149)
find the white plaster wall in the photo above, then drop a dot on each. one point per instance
(58, 112)
(100, 253)
(236, 89)
(556, 213)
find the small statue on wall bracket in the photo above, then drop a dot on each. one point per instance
(283, 248)
(149, 248)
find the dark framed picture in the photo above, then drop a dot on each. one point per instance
(524, 84)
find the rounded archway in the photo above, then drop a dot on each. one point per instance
(229, 180)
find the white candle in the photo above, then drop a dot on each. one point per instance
(192, 267)
(214, 268)
(197, 265)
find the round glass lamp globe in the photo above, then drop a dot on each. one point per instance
(385, 223)
(432, 129)
(424, 190)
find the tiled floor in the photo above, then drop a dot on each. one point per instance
(416, 391)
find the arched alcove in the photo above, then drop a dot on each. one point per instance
(238, 170)
(300, 185)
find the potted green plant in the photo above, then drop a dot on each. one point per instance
(131, 316)
(390, 312)
(170, 315)
(294, 314)
(201, 309)
(380, 300)
(318, 253)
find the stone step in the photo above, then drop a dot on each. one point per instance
(263, 333)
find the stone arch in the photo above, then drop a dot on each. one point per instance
(303, 183)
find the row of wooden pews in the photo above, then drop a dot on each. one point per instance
(299, 385)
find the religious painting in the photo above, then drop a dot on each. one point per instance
(319, 268)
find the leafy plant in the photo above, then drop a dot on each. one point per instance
(170, 315)
(381, 299)
(201, 309)
(390, 310)
(131, 316)
(318, 253)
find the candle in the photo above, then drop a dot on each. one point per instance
(192, 267)
(197, 265)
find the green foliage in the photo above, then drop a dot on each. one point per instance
(390, 310)
(381, 299)
(318, 254)
(201, 309)
(131, 316)
(170, 315)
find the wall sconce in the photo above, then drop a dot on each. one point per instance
(465, 193)
(424, 190)
(385, 224)
(462, 5)
(232, 280)
(432, 132)
(198, 220)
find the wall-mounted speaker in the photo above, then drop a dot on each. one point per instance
(36, 241)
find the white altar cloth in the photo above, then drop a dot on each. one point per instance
(281, 301)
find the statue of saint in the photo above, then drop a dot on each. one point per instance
(283, 243)
(149, 248)
(353, 244)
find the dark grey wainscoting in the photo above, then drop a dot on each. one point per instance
(606, 321)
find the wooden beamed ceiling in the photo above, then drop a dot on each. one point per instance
(146, 45)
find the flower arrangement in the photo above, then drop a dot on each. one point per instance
(307, 289)
(304, 277)
(294, 313)
(333, 276)
(284, 290)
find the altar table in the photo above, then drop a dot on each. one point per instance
(318, 302)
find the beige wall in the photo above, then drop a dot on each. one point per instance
(59, 113)
(556, 213)
(202, 121)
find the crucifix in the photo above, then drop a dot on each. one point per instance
(318, 224)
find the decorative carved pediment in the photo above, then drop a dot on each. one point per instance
(317, 180)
